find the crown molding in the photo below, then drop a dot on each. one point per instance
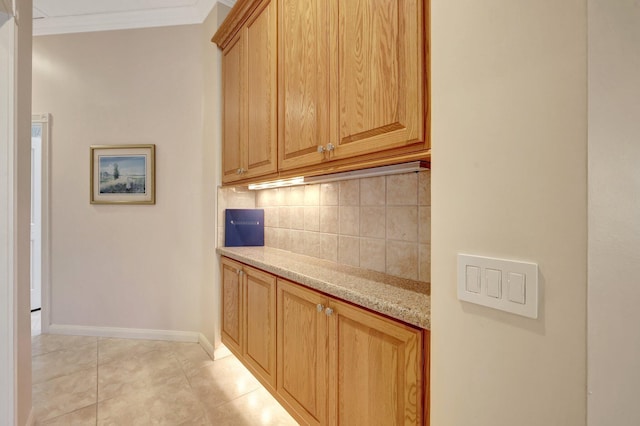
(184, 15)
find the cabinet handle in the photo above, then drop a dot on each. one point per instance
(240, 272)
(320, 307)
(330, 147)
(240, 171)
(328, 311)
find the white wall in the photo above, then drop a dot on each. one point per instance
(211, 176)
(509, 179)
(144, 267)
(614, 212)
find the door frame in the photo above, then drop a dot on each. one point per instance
(7, 223)
(45, 216)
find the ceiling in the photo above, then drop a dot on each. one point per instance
(74, 16)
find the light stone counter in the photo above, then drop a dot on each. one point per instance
(402, 299)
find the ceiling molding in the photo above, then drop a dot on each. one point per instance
(183, 15)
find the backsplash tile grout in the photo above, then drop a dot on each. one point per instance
(381, 223)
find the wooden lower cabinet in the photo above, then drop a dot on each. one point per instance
(343, 365)
(259, 352)
(303, 352)
(232, 307)
(249, 318)
(328, 362)
(375, 369)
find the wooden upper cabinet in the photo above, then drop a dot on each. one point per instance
(377, 76)
(303, 81)
(323, 86)
(233, 109)
(352, 80)
(250, 133)
(262, 92)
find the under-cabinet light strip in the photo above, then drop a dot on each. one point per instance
(414, 166)
(277, 183)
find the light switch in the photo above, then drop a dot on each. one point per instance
(473, 279)
(517, 287)
(494, 282)
(503, 284)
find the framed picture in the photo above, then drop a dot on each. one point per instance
(123, 174)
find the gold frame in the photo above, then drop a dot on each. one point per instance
(148, 151)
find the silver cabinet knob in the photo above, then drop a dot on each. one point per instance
(239, 171)
(320, 307)
(328, 311)
(321, 149)
(330, 147)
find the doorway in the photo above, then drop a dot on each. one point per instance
(40, 138)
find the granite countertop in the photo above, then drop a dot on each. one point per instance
(399, 298)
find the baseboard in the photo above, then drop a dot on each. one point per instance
(31, 421)
(221, 352)
(207, 346)
(126, 333)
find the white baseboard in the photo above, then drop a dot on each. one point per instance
(207, 346)
(31, 421)
(127, 333)
(221, 352)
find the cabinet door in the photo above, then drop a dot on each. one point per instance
(262, 100)
(303, 82)
(302, 351)
(260, 325)
(233, 109)
(377, 76)
(376, 369)
(232, 312)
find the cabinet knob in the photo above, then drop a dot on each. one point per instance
(321, 149)
(320, 307)
(240, 272)
(239, 171)
(330, 147)
(328, 311)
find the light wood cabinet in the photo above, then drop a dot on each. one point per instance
(232, 306)
(249, 81)
(323, 86)
(377, 75)
(302, 352)
(342, 365)
(375, 369)
(303, 50)
(356, 90)
(328, 362)
(249, 318)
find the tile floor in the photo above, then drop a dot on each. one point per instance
(81, 380)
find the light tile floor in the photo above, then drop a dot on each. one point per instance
(81, 380)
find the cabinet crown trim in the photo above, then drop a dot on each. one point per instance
(236, 18)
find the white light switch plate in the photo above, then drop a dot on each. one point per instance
(514, 283)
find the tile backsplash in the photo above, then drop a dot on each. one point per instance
(380, 223)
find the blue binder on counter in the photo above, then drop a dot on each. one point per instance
(244, 227)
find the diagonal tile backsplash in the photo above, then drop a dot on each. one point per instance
(381, 223)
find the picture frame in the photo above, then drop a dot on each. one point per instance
(123, 174)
